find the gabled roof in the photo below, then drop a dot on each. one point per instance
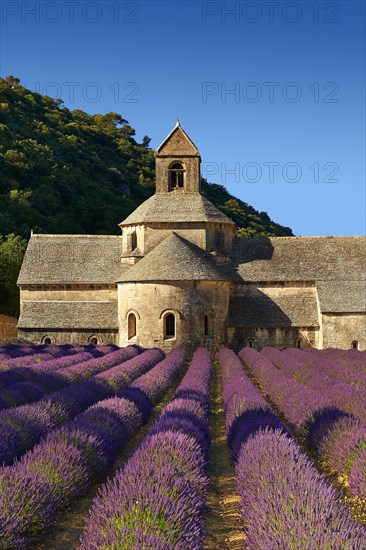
(62, 315)
(301, 258)
(71, 259)
(176, 259)
(177, 143)
(175, 208)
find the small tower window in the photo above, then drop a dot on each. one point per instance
(354, 344)
(176, 176)
(94, 341)
(208, 325)
(133, 241)
(131, 325)
(169, 326)
(47, 341)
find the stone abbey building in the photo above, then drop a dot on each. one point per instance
(178, 276)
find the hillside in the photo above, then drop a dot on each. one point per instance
(70, 172)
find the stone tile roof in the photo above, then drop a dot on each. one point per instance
(336, 264)
(342, 296)
(255, 308)
(301, 258)
(176, 259)
(69, 315)
(174, 208)
(71, 259)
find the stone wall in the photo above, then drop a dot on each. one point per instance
(8, 329)
(276, 337)
(68, 336)
(86, 293)
(341, 329)
(188, 301)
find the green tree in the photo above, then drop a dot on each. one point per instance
(12, 248)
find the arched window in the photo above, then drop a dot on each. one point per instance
(354, 344)
(94, 341)
(176, 175)
(208, 321)
(47, 341)
(251, 343)
(131, 322)
(169, 326)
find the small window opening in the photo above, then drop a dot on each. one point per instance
(176, 176)
(47, 341)
(133, 241)
(298, 343)
(94, 341)
(208, 325)
(354, 344)
(251, 343)
(131, 325)
(169, 326)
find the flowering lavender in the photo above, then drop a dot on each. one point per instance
(315, 374)
(32, 383)
(285, 502)
(66, 461)
(157, 500)
(22, 427)
(337, 438)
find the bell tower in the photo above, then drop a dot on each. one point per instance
(177, 164)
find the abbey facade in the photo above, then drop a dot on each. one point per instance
(178, 276)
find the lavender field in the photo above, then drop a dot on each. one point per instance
(128, 448)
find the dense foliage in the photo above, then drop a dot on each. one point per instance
(70, 172)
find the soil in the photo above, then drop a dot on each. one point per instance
(223, 526)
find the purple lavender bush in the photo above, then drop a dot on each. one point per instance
(22, 427)
(246, 411)
(337, 437)
(158, 499)
(63, 465)
(285, 502)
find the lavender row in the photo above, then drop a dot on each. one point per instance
(338, 438)
(158, 499)
(285, 502)
(346, 371)
(23, 427)
(297, 403)
(12, 351)
(15, 373)
(63, 465)
(342, 395)
(53, 375)
(25, 385)
(246, 411)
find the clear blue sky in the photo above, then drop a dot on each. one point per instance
(289, 139)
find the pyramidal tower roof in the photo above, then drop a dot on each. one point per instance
(176, 259)
(171, 208)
